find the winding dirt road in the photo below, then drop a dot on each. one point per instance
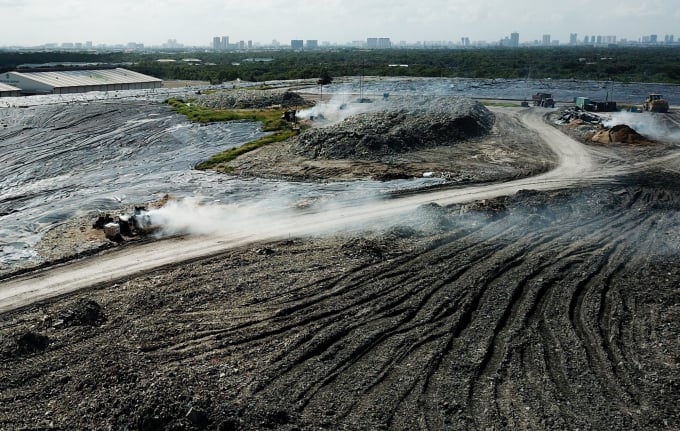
(575, 165)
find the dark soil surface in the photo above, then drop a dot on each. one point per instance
(544, 311)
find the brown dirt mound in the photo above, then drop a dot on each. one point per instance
(620, 134)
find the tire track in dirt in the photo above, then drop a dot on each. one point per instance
(557, 312)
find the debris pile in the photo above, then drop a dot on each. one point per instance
(248, 99)
(591, 128)
(619, 134)
(84, 312)
(398, 128)
(577, 116)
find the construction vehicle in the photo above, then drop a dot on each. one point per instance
(544, 100)
(656, 103)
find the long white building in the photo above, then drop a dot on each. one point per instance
(79, 81)
(9, 91)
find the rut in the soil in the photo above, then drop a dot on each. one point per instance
(448, 332)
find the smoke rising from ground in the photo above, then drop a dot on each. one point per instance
(339, 107)
(654, 126)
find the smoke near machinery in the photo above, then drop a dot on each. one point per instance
(272, 214)
(654, 126)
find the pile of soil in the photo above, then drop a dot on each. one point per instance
(544, 310)
(621, 134)
(397, 128)
(502, 149)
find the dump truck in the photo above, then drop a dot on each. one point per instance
(656, 103)
(544, 100)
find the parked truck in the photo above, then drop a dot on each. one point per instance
(544, 100)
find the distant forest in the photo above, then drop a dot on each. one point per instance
(657, 64)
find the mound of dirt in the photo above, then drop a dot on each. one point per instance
(398, 128)
(619, 134)
(83, 313)
(245, 99)
(23, 344)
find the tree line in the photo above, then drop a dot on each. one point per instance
(653, 64)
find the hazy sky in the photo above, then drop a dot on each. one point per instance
(195, 22)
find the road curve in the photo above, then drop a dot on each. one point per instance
(575, 165)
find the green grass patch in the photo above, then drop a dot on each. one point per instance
(500, 104)
(233, 153)
(271, 120)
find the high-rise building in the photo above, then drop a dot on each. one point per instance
(312, 44)
(224, 44)
(216, 43)
(514, 40)
(573, 39)
(546, 40)
(297, 44)
(378, 43)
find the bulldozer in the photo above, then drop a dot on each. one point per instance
(656, 103)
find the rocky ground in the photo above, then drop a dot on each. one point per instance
(540, 311)
(544, 310)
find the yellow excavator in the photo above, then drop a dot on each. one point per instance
(656, 103)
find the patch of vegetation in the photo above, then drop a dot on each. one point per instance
(271, 120)
(226, 156)
(499, 104)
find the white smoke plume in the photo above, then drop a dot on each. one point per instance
(192, 216)
(340, 106)
(654, 126)
(270, 215)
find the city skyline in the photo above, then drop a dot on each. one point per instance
(38, 22)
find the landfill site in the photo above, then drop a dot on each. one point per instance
(412, 263)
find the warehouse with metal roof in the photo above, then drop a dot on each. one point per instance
(78, 80)
(9, 91)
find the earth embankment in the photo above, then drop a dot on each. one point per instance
(455, 139)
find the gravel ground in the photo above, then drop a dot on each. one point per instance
(541, 311)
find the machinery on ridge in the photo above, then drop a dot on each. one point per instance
(656, 103)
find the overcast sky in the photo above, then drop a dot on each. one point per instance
(195, 22)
